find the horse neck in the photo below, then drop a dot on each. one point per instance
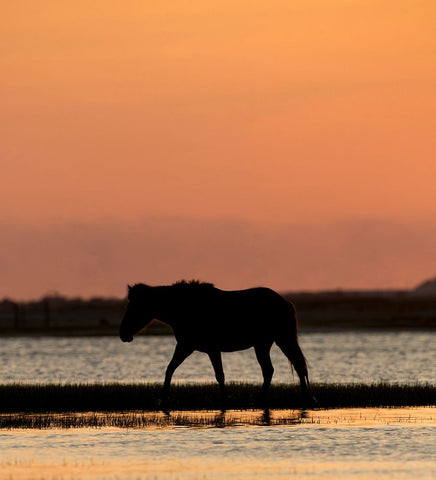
(165, 299)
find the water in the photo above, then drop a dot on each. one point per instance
(393, 357)
(381, 451)
(366, 450)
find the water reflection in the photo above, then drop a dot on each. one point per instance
(222, 419)
(343, 444)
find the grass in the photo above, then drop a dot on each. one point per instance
(215, 419)
(219, 419)
(118, 397)
(195, 405)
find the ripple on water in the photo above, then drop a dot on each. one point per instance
(344, 357)
(401, 449)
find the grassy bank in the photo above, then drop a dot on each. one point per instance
(118, 397)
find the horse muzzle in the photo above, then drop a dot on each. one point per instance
(126, 338)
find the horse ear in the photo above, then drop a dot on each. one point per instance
(129, 287)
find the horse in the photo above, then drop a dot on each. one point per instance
(210, 320)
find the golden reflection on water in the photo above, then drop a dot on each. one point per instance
(219, 419)
(44, 464)
(327, 418)
(203, 469)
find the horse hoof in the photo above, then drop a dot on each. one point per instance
(310, 402)
(164, 405)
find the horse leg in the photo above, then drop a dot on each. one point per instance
(215, 358)
(264, 359)
(294, 354)
(180, 354)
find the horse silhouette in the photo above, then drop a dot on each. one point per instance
(210, 320)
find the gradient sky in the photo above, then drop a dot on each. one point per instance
(289, 144)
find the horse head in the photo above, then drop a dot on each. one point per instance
(138, 314)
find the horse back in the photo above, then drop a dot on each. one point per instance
(234, 320)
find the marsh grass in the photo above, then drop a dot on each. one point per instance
(220, 419)
(144, 397)
(136, 420)
(127, 420)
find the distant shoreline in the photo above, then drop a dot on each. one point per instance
(334, 310)
(59, 332)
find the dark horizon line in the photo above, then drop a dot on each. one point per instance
(322, 292)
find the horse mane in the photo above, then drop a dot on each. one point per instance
(140, 289)
(137, 289)
(192, 284)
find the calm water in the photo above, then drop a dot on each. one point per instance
(358, 451)
(397, 357)
(310, 452)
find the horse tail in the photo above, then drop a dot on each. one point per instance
(287, 341)
(294, 320)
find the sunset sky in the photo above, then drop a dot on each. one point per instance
(280, 143)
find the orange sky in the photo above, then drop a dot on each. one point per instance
(266, 113)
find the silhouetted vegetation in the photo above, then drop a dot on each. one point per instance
(366, 310)
(57, 315)
(218, 418)
(116, 397)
